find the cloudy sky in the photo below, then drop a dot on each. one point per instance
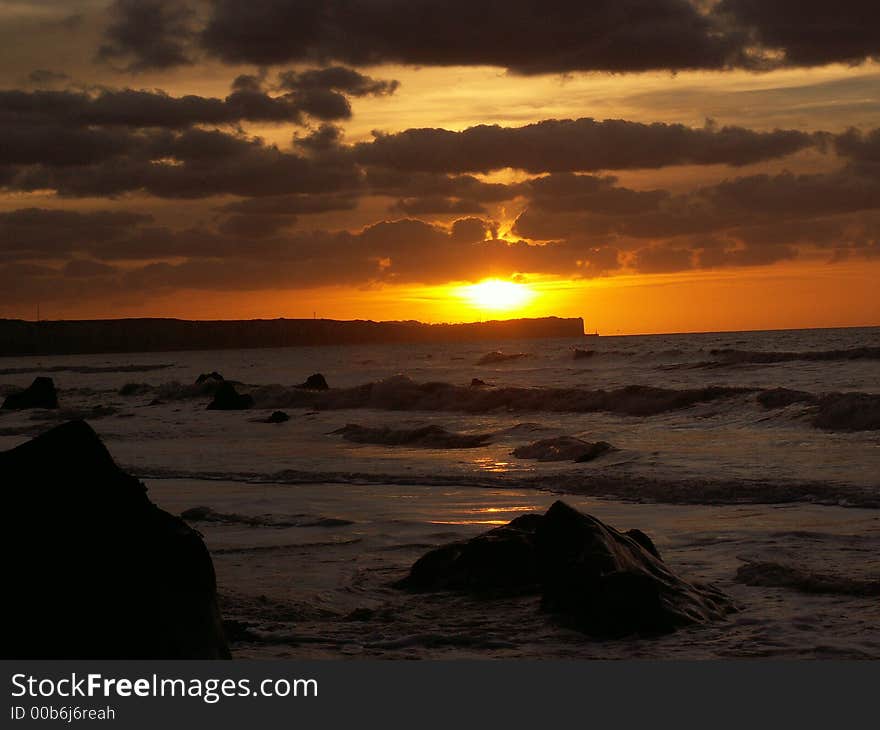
(650, 165)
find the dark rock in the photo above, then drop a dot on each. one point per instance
(602, 581)
(208, 377)
(477, 383)
(429, 437)
(579, 354)
(39, 394)
(130, 389)
(314, 382)
(277, 417)
(93, 569)
(502, 560)
(156, 402)
(227, 398)
(646, 542)
(563, 448)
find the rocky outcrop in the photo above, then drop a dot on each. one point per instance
(227, 398)
(92, 568)
(314, 382)
(39, 394)
(563, 448)
(277, 417)
(593, 577)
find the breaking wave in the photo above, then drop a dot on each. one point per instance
(403, 394)
(86, 369)
(625, 487)
(731, 357)
(775, 575)
(831, 411)
(207, 514)
(430, 437)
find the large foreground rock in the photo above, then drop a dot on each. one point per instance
(605, 582)
(39, 394)
(91, 567)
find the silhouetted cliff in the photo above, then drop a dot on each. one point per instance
(18, 337)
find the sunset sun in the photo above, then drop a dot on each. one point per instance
(498, 295)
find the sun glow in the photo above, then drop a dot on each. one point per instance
(498, 295)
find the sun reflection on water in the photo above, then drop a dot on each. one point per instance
(479, 519)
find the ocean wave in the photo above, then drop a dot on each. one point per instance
(430, 437)
(497, 357)
(776, 575)
(832, 411)
(728, 357)
(75, 414)
(86, 369)
(848, 412)
(402, 393)
(621, 486)
(208, 514)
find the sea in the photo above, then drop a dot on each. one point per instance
(752, 459)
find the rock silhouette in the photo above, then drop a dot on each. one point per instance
(213, 375)
(277, 417)
(563, 448)
(579, 354)
(106, 574)
(227, 398)
(315, 382)
(39, 394)
(593, 577)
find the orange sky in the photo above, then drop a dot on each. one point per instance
(649, 238)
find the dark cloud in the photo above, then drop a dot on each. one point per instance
(525, 36)
(45, 233)
(42, 77)
(291, 205)
(195, 163)
(560, 206)
(437, 205)
(863, 148)
(807, 32)
(150, 34)
(88, 268)
(336, 78)
(576, 145)
(662, 259)
(135, 108)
